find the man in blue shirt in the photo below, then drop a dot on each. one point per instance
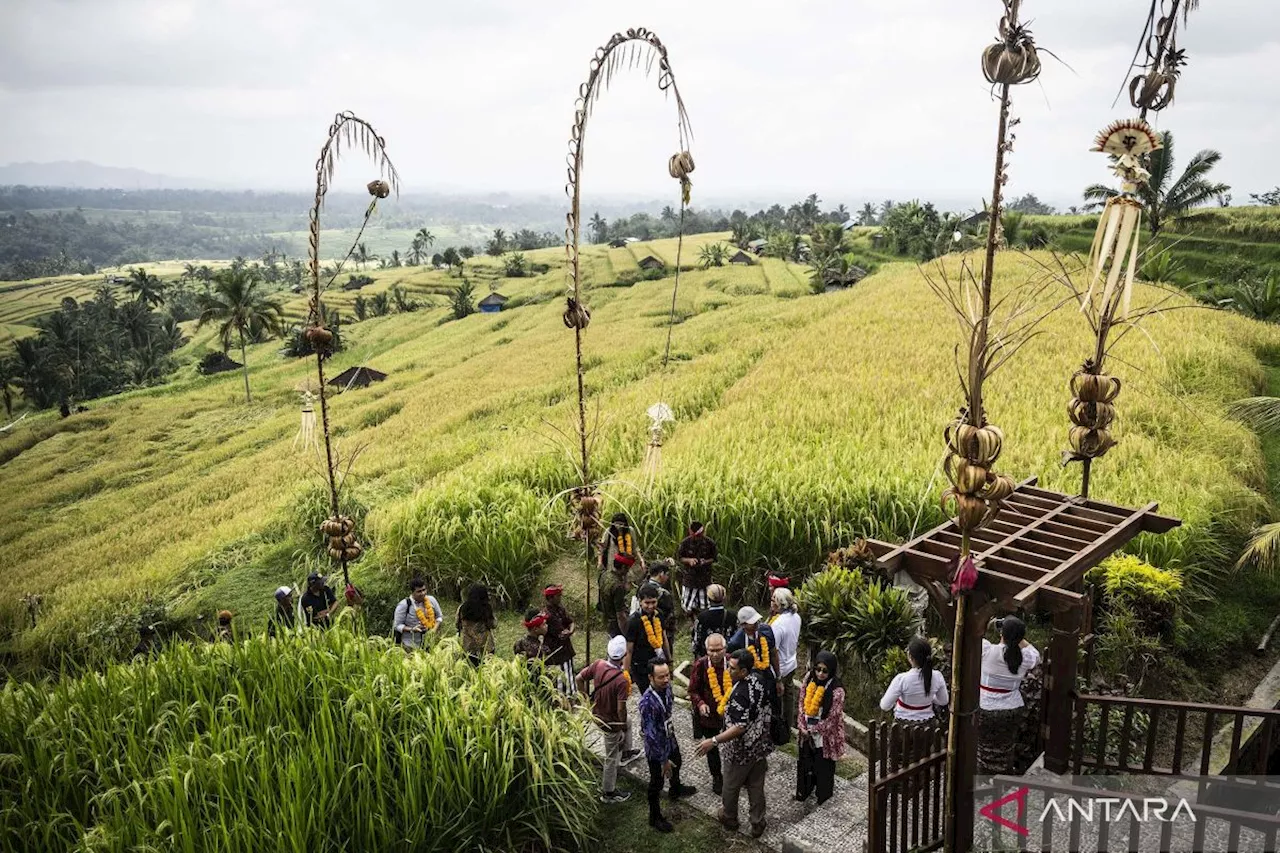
(660, 745)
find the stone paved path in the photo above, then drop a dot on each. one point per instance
(838, 826)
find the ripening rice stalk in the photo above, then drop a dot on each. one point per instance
(320, 742)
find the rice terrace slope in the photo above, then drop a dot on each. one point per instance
(801, 421)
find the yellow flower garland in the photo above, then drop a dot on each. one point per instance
(426, 614)
(625, 545)
(813, 699)
(721, 688)
(627, 675)
(653, 630)
(762, 657)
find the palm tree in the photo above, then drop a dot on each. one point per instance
(668, 214)
(188, 272)
(239, 304)
(1163, 199)
(600, 228)
(8, 381)
(394, 260)
(498, 243)
(867, 216)
(886, 207)
(362, 255)
(146, 288)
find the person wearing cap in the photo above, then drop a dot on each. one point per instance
(283, 617)
(785, 621)
(661, 748)
(559, 641)
(716, 619)
(647, 638)
(417, 617)
(697, 555)
(318, 602)
(757, 637)
(709, 689)
(608, 685)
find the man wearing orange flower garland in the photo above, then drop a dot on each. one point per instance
(559, 639)
(647, 637)
(417, 617)
(709, 689)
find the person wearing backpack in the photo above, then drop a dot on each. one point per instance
(417, 617)
(610, 685)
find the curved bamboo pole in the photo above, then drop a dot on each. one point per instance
(349, 129)
(633, 47)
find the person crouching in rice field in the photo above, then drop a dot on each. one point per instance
(417, 617)
(319, 602)
(913, 694)
(1000, 706)
(476, 624)
(559, 640)
(647, 638)
(820, 715)
(283, 617)
(697, 555)
(532, 646)
(608, 685)
(709, 689)
(716, 619)
(661, 747)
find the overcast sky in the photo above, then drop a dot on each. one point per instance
(852, 99)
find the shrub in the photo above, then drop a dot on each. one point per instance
(318, 742)
(463, 302)
(1152, 595)
(858, 621)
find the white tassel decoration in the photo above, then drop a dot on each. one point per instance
(306, 437)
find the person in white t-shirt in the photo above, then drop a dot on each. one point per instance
(785, 622)
(912, 694)
(1000, 706)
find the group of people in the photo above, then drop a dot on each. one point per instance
(742, 692)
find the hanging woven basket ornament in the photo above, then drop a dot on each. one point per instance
(379, 189)
(586, 515)
(341, 533)
(1013, 59)
(576, 315)
(1092, 411)
(680, 166)
(976, 489)
(1115, 244)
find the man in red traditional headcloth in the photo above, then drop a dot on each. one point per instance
(559, 640)
(697, 555)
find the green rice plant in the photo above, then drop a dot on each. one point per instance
(318, 742)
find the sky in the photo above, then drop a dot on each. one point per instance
(850, 99)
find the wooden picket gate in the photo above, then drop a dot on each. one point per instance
(906, 782)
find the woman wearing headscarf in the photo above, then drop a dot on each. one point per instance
(476, 623)
(1000, 706)
(820, 715)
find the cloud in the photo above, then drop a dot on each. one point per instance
(849, 100)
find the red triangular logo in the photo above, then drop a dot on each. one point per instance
(991, 811)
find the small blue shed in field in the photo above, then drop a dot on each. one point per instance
(492, 303)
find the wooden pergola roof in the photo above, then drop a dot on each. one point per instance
(1035, 552)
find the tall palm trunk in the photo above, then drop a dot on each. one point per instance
(244, 364)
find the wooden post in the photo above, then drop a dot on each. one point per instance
(964, 702)
(1064, 652)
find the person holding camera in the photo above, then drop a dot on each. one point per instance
(1000, 705)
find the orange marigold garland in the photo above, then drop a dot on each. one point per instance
(653, 630)
(720, 688)
(813, 699)
(426, 615)
(761, 657)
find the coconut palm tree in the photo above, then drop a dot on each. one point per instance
(8, 381)
(1165, 200)
(146, 288)
(362, 255)
(867, 216)
(239, 304)
(600, 228)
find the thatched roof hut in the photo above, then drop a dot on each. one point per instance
(356, 377)
(492, 303)
(741, 257)
(649, 262)
(217, 362)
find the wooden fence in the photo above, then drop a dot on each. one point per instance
(906, 787)
(1118, 734)
(1126, 825)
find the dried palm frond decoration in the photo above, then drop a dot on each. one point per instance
(659, 415)
(1152, 89)
(346, 130)
(306, 437)
(1013, 59)
(634, 48)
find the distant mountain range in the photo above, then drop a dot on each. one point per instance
(81, 174)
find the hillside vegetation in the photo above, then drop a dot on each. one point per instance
(802, 422)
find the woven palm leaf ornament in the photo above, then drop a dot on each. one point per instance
(1114, 253)
(641, 48)
(306, 437)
